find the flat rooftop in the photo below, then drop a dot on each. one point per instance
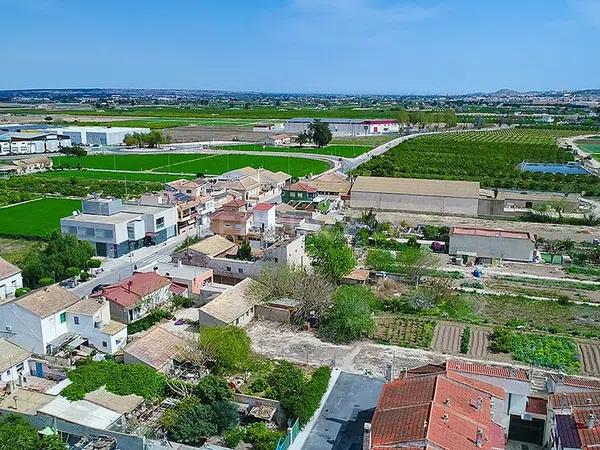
(28, 402)
(113, 219)
(180, 271)
(416, 186)
(490, 232)
(145, 209)
(81, 412)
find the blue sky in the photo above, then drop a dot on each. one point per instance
(323, 46)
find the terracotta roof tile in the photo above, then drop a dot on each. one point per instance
(536, 406)
(129, 291)
(487, 370)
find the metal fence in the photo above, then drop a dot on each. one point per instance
(285, 442)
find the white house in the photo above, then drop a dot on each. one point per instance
(14, 361)
(10, 279)
(43, 321)
(278, 139)
(264, 216)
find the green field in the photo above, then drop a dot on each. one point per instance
(36, 218)
(111, 175)
(365, 140)
(490, 157)
(160, 123)
(192, 163)
(344, 151)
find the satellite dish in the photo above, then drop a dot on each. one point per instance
(74, 213)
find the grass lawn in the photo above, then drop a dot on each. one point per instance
(36, 218)
(344, 151)
(191, 163)
(14, 250)
(104, 175)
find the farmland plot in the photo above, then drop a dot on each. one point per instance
(404, 331)
(446, 338)
(590, 357)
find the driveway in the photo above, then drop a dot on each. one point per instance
(341, 422)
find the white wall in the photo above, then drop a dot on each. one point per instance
(493, 247)
(9, 285)
(418, 203)
(12, 374)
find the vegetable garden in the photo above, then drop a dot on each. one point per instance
(490, 157)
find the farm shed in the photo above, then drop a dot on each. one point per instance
(235, 306)
(416, 195)
(492, 243)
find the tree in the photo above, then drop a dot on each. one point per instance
(378, 259)
(73, 151)
(134, 139)
(415, 262)
(302, 138)
(17, 433)
(244, 251)
(350, 317)
(211, 389)
(155, 138)
(260, 437)
(331, 254)
(556, 246)
(225, 415)
(320, 133)
(230, 346)
(312, 291)
(72, 272)
(189, 422)
(558, 205)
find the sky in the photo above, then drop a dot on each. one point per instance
(307, 46)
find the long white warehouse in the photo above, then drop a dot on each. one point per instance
(98, 135)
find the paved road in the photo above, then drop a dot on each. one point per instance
(117, 269)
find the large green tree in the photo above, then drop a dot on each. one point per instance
(320, 133)
(17, 433)
(350, 317)
(331, 254)
(230, 346)
(415, 263)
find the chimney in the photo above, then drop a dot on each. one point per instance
(479, 438)
(367, 437)
(447, 402)
(445, 419)
(591, 423)
(179, 263)
(129, 283)
(389, 373)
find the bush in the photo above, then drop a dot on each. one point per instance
(147, 322)
(232, 438)
(17, 433)
(84, 276)
(93, 263)
(230, 346)
(261, 437)
(118, 378)
(45, 281)
(465, 339)
(179, 301)
(22, 291)
(189, 422)
(350, 317)
(212, 389)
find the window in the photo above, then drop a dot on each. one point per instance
(240, 270)
(63, 317)
(76, 320)
(160, 222)
(104, 344)
(228, 269)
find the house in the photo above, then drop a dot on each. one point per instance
(246, 187)
(432, 407)
(32, 141)
(233, 225)
(345, 127)
(26, 166)
(513, 203)
(10, 279)
(134, 297)
(191, 188)
(14, 362)
(299, 192)
(192, 277)
(219, 254)
(332, 190)
(235, 306)
(264, 216)
(90, 317)
(278, 139)
(191, 211)
(573, 421)
(270, 182)
(46, 320)
(415, 195)
(263, 127)
(488, 244)
(115, 228)
(158, 348)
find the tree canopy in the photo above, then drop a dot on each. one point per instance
(230, 346)
(153, 139)
(73, 151)
(350, 317)
(320, 133)
(17, 433)
(331, 254)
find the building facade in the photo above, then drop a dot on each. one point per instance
(492, 244)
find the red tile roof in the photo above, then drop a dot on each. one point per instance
(487, 370)
(129, 291)
(231, 216)
(577, 382)
(177, 288)
(431, 408)
(263, 207)
(301, 186)
(235, 203)
(573, 412)
(570, 399)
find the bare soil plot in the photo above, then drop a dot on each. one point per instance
(590, 357)
(480, 343)
(446, 338)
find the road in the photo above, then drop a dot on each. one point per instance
(119, 268)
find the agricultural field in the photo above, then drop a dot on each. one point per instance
(343, 151)
(591, 146)
(404, 331)
(111, 175)
(590, 357)
(160, 123)
(192, 164)
(490, 157)
(365, 140)
(36, 218)
(14, 250)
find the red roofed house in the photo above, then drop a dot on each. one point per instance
(233, 225)
(134, 297)
(435, 409)
(574, 421)
(492, 244)
(264, 216)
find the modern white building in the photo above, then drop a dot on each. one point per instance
(45, 320)
(345, 127)
(29, 142)
(10, 279)
(97, 136)
(115, 228)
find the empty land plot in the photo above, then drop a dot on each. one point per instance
(490, 157)
(365, 140)
(446, 338)
(343, 151)
(36, 218)
(590, 357)
(194, 163)
(479, 343)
